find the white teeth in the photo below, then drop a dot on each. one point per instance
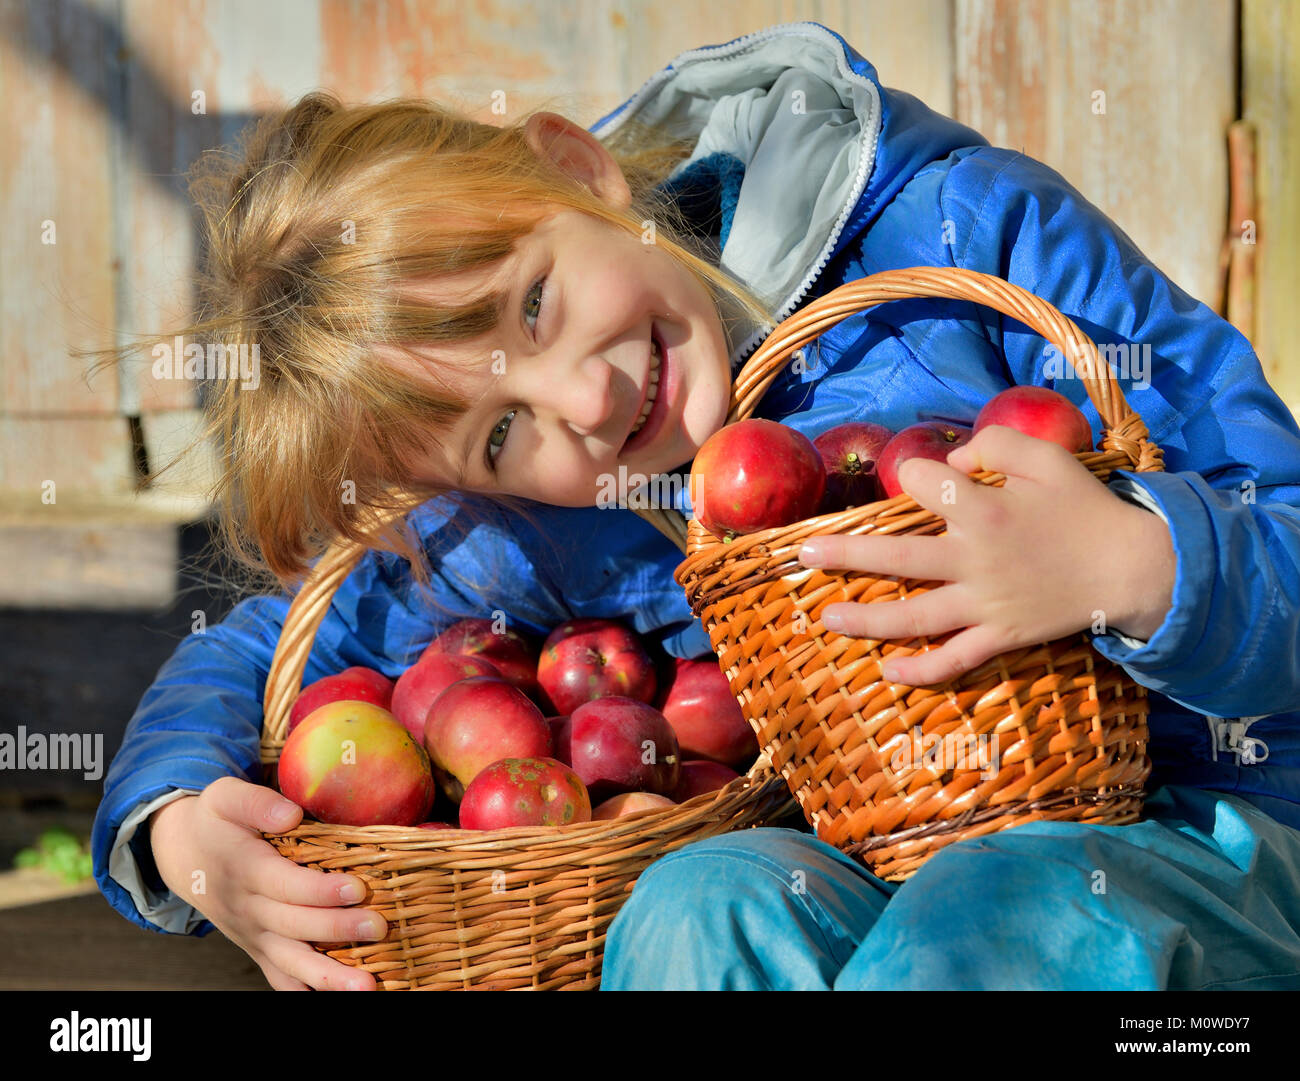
(651, 391)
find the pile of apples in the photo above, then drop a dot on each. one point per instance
(758, 474)
(495, 730)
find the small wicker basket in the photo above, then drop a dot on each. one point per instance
(1066, 728)
(499, 909)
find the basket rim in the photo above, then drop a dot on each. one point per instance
(760, 782)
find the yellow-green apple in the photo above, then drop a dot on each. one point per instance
(619, 744)
(353, 764)
(755, 474)
(934, 439)
(705, 715)
(512, 652)
(356, 684)
(476, 722)
(630, 803)
(432, 674)
(535, 791)
(849, 452)
(1041, 412)
(583, 659)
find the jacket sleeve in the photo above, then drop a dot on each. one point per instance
(201, 718)
(1230, 492)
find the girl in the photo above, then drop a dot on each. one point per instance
(488, 324)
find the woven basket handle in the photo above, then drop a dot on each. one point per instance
(284, 680)
(1124, 430)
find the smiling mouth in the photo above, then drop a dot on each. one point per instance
(652, 388)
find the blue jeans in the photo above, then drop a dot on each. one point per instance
(1204, 893)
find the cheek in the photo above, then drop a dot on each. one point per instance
(564, 479)
(708, 401)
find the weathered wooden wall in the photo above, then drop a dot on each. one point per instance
(108, 102)
(1270, 98)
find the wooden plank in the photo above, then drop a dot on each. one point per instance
(30, 885)
(1029, 75)
(1271, 101)
(81, 943)
(520, 55)
(170, 438)
(54, 185)
(77, 453)
(174, 114)
(87, 564)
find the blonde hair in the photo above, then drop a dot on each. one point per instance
(310, 232)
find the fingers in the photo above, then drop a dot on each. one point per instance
(252, 805)
(925, 559)
(296, 961)
(960, 654)
(280, 879)
(999, 449)
(280, 981)
(316, 924)
(929, 614)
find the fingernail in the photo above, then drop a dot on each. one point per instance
(890, 674)
(351, 892)
(833, 621)
(372, 929)
(283, 814)
(812, 555)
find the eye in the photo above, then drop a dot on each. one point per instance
(537, 287)
(497, 439)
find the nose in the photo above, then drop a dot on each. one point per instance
(582, 397)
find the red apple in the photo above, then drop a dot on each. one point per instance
(934, 439)
(849, 452)
(619, 744)
(353, 764)
(355, 684)
(432, 674)
(524, 792)
(560, 738)
(584, 659)
(705, 715)
(630, 803)
(476, 722)
(755, 474)
(513, 653)
(699, 776)
(1040, 412)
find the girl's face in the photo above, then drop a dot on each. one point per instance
(599, 328)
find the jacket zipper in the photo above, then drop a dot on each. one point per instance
(1229, 734)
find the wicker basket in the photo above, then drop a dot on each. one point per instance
(1066, 728)
(498, 909)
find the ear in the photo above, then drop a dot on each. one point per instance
(579, 155)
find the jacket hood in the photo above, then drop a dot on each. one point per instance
(774, 101)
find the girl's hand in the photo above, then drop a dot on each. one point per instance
(1049, 554)
(264, 903)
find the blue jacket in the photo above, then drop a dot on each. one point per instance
(811, 174)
